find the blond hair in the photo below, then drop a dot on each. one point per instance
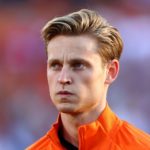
(90, 22)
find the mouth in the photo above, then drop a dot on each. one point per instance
(64, 93)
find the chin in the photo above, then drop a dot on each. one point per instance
(68, 109)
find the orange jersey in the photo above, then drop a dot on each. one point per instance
(108, 132)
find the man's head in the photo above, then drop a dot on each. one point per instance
(87, 22)
(83, 52)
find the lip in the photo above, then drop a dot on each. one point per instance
(64, 93)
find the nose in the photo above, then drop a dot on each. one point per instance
(64, 76)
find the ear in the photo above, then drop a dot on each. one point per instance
(112, 71)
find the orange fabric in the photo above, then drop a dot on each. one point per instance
(108, 132)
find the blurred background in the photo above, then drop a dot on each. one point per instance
(26, 111)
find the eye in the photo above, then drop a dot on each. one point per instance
(55, 66)
(78, 66)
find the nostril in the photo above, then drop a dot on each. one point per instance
(64, 78)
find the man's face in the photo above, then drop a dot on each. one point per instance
(76, 75)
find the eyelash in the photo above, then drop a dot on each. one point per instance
(74, 66)
(55, 66)
(78, 66)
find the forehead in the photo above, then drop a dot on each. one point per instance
(69, 48)
(72, 44)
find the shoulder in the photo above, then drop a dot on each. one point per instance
(49, 141)
(42, 143)
(132, 137)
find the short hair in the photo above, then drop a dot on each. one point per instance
(90, 22)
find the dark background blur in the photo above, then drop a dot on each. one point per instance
(26, 111)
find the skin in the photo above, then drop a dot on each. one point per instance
(78, 81)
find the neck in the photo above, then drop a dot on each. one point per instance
(71, 123)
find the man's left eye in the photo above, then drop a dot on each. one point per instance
(78, 66)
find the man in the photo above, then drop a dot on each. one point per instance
(83, 53)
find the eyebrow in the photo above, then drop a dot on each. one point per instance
(71, 61)
(49, 61)
(79, 60)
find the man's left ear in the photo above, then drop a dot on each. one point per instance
(112, 71)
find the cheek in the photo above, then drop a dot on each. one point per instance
(51, 78)
(88, 79)
(86, 83)
(93, 82)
